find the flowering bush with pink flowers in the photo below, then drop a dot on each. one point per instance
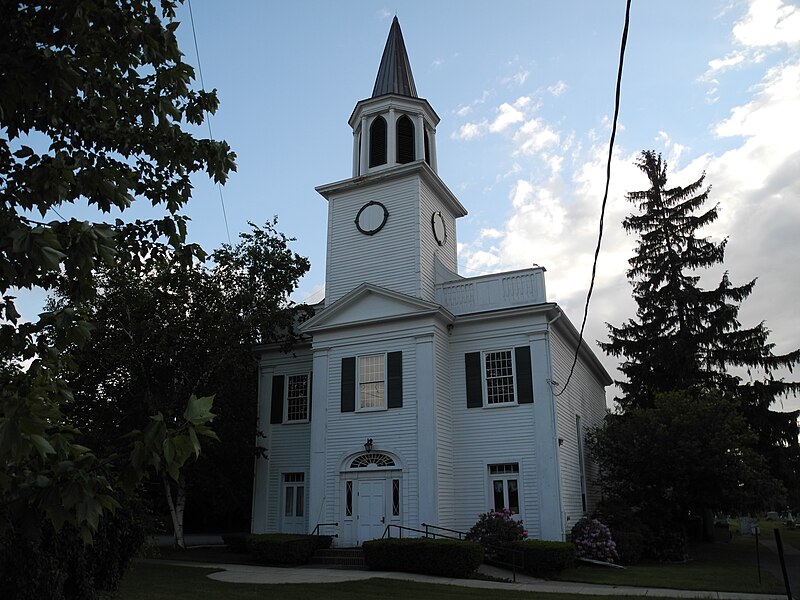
(497, 528)
(593, 540)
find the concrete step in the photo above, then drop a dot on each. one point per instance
(343, 558)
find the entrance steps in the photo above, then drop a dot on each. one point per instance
(338, 558)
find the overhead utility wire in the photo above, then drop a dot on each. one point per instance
(605, 195)
(208, 117)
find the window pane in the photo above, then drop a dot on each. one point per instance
(289, 503)
(300, 501)
(371, 371)
(499, 377)
(297, 398)
(348, 503)
(499, 503)
(395, 497)
(513, 496)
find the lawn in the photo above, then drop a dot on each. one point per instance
(719, 567)
(148, 581)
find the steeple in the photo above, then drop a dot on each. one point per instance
(394, 126)
(394, 74)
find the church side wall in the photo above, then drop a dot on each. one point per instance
(585, 397)
(388, 258)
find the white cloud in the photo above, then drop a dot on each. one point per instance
(769, 23)
(469, 131)
(557, 88)
(509, 114)
(533, 136)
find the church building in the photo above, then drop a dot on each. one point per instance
(418, 396)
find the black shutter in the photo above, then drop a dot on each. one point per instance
(405, 140)
(377, 142)
(472, 363)
(310, 387)
(349, 384)
(394, 366)
(276, 414)
(522, 363)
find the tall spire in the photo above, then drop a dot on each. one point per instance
(394, 74)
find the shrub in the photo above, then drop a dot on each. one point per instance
(284, 548)
(38, 562)
(497, 529)
(593, 540)
(545, 559)
(630, 546)
(445, 558)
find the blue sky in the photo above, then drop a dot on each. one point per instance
(525, 91)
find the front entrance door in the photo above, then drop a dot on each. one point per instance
(371, 509)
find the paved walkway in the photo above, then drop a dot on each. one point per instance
(270, 575)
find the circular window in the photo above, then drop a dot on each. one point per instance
(439, 228)
(371, 218)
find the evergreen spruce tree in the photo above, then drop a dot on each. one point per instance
(684, 336)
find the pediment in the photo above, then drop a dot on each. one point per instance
(369, 303)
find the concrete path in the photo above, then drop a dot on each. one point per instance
(271, 575)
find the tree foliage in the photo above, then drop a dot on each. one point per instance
(685, 337)
(94, 102)
(174, 331)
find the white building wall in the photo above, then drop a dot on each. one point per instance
(585, 396)
(428, 247)
(389, 258)
(484, 436)
(286, 444)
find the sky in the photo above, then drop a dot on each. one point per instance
(525, 93)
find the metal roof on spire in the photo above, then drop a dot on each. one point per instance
(394, 74)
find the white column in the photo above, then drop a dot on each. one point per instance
(426, 432)
(258, 523)
(364, 146)
(318, 477)
(356, 146)
(419, 137)
(548, 478)
(432, 147)
(391, 139)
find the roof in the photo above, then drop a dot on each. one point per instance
(394, 74)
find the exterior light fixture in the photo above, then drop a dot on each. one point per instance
(368, 445)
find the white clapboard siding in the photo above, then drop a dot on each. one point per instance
(485, 436)
(444, 434)
(428, 247)
(585, 396)
(389, 258)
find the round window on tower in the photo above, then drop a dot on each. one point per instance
(439, 228)
(371, 218)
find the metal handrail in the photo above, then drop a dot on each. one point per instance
(316, 529)
(428, 526)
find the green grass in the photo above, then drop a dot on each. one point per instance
(149, 581)
(718, 567)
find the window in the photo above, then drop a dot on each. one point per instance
(581, 461)
(297, 397)
(499, 377)
(499, 373)
(504, 482)
(395, 497)
(293, 494)
(377, 142)
(371, 377)
(372, 382)
(348, 499)
(405, 140)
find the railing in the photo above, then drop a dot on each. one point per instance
(491, 292)
(316, 529)
(461, 534)
(496, 555)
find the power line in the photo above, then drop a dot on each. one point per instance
(605, 194)
(208, 116)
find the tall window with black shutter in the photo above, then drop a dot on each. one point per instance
(377, 142)
(405, 140)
